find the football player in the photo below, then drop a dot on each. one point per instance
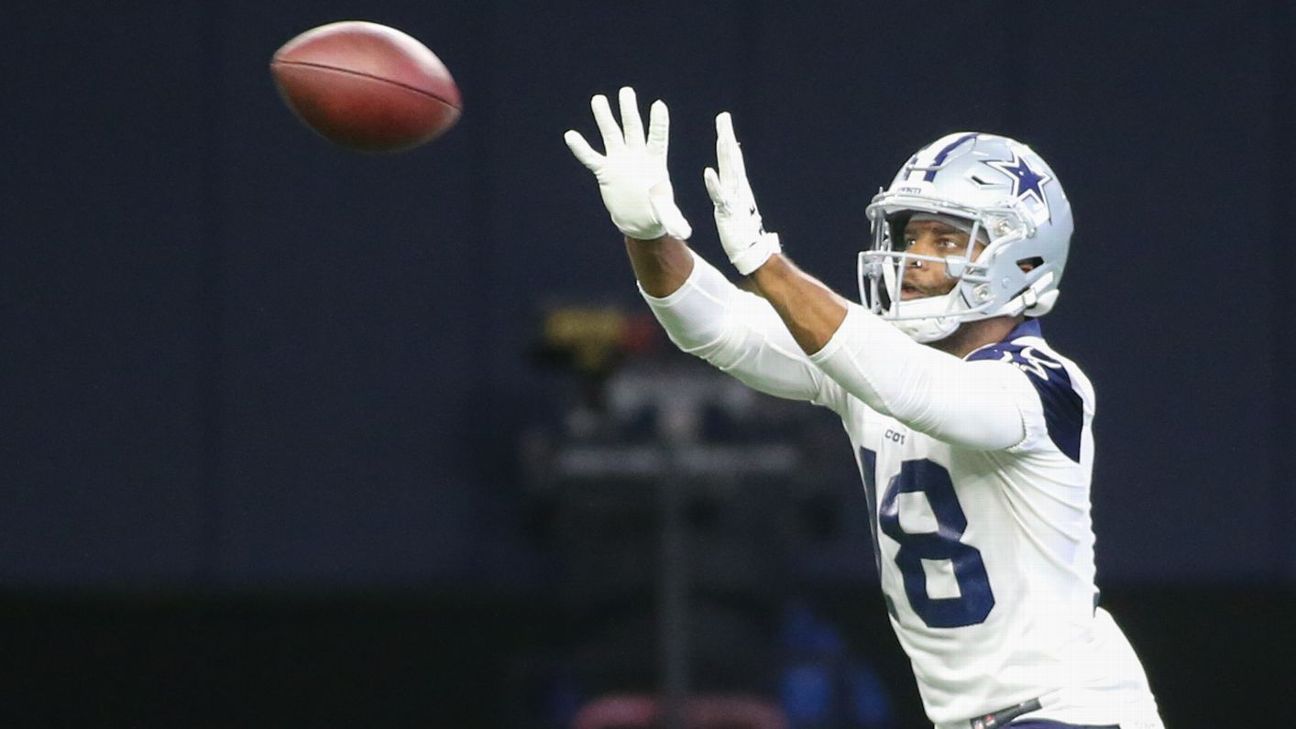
(971, 433)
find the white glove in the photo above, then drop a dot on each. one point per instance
(632, 175)
(737, 220)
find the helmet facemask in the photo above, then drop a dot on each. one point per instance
(975, 295)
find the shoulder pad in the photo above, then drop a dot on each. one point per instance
(1063, 407)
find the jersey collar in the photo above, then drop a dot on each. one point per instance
(1028, 328)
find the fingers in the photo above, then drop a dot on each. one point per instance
(612, 137)
(724, 127)
(658, 129)
(630, 121)
(712, 181)
(583, 151)
(728, 154)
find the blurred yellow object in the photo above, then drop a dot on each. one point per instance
(592, 336)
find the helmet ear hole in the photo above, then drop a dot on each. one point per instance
(1028, 264)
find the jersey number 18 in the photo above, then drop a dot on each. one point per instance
(975, 599)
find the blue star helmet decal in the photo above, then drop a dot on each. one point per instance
(1028, 185)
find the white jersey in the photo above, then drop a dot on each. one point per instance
(977, 475)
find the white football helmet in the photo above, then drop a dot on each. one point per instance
(1001, 192)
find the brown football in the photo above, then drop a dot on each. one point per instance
(366, 86)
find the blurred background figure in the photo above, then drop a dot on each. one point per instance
(823, 683)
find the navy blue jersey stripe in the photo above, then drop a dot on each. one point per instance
(1063, 408)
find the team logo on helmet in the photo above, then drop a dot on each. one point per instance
(1027, 184)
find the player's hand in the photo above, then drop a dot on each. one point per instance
(631, 173)
(737, 219)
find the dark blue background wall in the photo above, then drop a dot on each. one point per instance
(234, 357)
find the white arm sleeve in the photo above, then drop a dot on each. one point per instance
(975, 405)
(740, 333)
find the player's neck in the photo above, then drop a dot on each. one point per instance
(974, 335)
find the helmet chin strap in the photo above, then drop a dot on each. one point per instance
(1030, 301)
(1045, 305)
(933, 318)
(922, 320)
(927, 319)
(925, 331)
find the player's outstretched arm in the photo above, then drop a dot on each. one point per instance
(701, 310)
